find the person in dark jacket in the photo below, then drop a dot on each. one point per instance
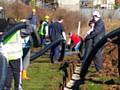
(56, 31)
(88, 40)
(96, 34)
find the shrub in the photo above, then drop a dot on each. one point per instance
(71, 18)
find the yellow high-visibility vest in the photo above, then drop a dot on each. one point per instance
(13, 46)
(42, 28)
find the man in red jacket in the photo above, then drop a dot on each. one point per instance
(75, 41)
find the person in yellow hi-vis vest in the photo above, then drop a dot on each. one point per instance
(13, 47)
(43, 30)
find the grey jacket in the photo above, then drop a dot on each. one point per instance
(26, 32)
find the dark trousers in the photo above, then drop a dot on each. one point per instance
(3, 70)
(54, 53)
(88, 48)
(98, 60)
(14, 72)
(89, 44)
(43, 39)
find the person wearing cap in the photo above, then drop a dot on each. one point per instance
(43, 30)
(56, 31)
(33, 18)
(96, 33)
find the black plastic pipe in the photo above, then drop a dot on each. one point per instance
(39, 53)
(13, 29)
(95, 49)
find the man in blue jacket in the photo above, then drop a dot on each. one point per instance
(96, 34)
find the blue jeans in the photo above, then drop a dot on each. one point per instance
(77, 47)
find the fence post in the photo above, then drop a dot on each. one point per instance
(78, 30)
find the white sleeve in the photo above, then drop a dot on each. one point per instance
(88, 32)
(91, 29)
(46, 29)
(64, 35)
(69, 41)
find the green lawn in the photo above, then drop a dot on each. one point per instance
(43, 76)
(46, 76)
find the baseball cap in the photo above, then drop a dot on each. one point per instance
(97, 14)
(60, 17)
(33, 10)
(47, 17)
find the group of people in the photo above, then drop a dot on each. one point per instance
(93, 35)
(91, 38)
(18, 45)
(16, 49)
(53, 30)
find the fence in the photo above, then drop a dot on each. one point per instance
(104, 12)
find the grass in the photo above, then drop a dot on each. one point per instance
(103, 82)
(43, 76)
(93, 86)
(46, 76)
